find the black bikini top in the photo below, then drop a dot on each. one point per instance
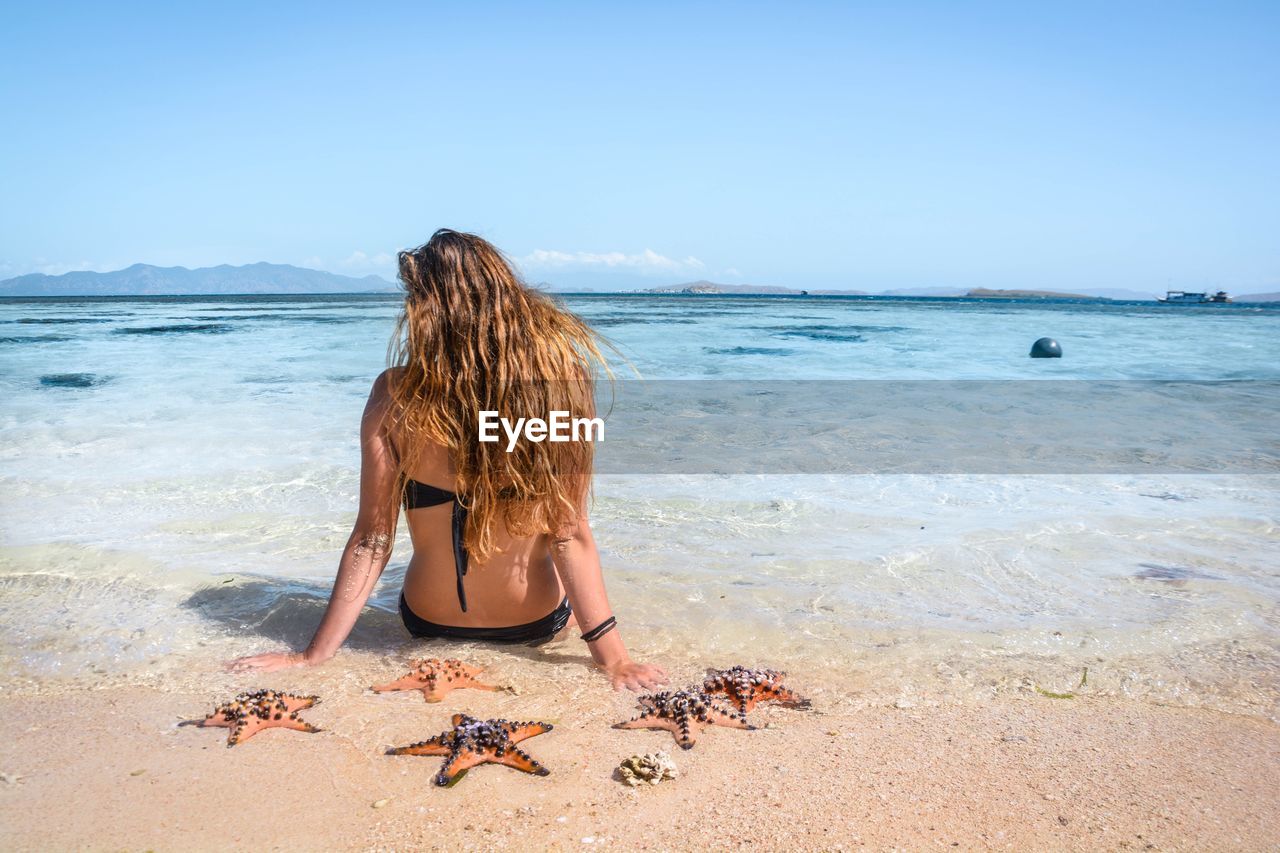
(417, 495)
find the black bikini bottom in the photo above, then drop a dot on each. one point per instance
(538, 631)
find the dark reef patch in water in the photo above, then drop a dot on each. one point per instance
(828, 328)
(297, 305)
(177, 328)
(301, 318)
(748, 351)
(628, 320)
(63, 321)
(268, 380)
(32, 339)
(72, 380)
(813, 335)
(698, 313)
(684, 317)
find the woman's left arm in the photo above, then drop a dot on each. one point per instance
(368, 549)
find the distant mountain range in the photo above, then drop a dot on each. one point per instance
(223, 280)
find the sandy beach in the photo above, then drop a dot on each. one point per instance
(109, 769)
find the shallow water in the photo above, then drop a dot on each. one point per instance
(180, 476)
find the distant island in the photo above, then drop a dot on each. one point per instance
(711, 287)
(222, 280)
(984, 293)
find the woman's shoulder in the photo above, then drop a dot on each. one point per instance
(384, 382)
(381, 402)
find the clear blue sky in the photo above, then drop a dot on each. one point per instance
(849, 145)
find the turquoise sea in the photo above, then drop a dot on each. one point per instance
(179, 477)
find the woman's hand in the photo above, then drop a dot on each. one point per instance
(635, 676)
(269, 662)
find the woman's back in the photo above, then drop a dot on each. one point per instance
(517, 584)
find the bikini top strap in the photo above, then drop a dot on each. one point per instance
(418, 495)
(459, 549)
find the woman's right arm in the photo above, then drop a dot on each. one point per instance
(577, 561)
(368, 549)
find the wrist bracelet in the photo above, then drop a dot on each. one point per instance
(600, 630)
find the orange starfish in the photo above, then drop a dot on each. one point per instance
(745, 687)
(683, 713)
(436, 678)
(250, 713)
(471, 742)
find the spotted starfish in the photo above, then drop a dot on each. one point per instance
(471, 742)
(436, 678)
(683, 713)
(745, 687)
(250, 713)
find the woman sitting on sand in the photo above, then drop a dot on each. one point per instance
(502, 550)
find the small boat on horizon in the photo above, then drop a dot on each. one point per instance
(1183, 297)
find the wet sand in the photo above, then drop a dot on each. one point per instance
(109, 769)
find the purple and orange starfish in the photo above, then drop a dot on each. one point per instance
(745, 687)
(436, 678)
(471, 742)
(684, 713)
(250, 713)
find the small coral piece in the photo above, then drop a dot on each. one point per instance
(652, 767)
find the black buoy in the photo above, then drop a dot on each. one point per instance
(1046, 348)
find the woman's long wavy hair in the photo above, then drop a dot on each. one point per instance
(472, 337)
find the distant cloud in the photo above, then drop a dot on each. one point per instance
(362, 261)
(646, 262)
